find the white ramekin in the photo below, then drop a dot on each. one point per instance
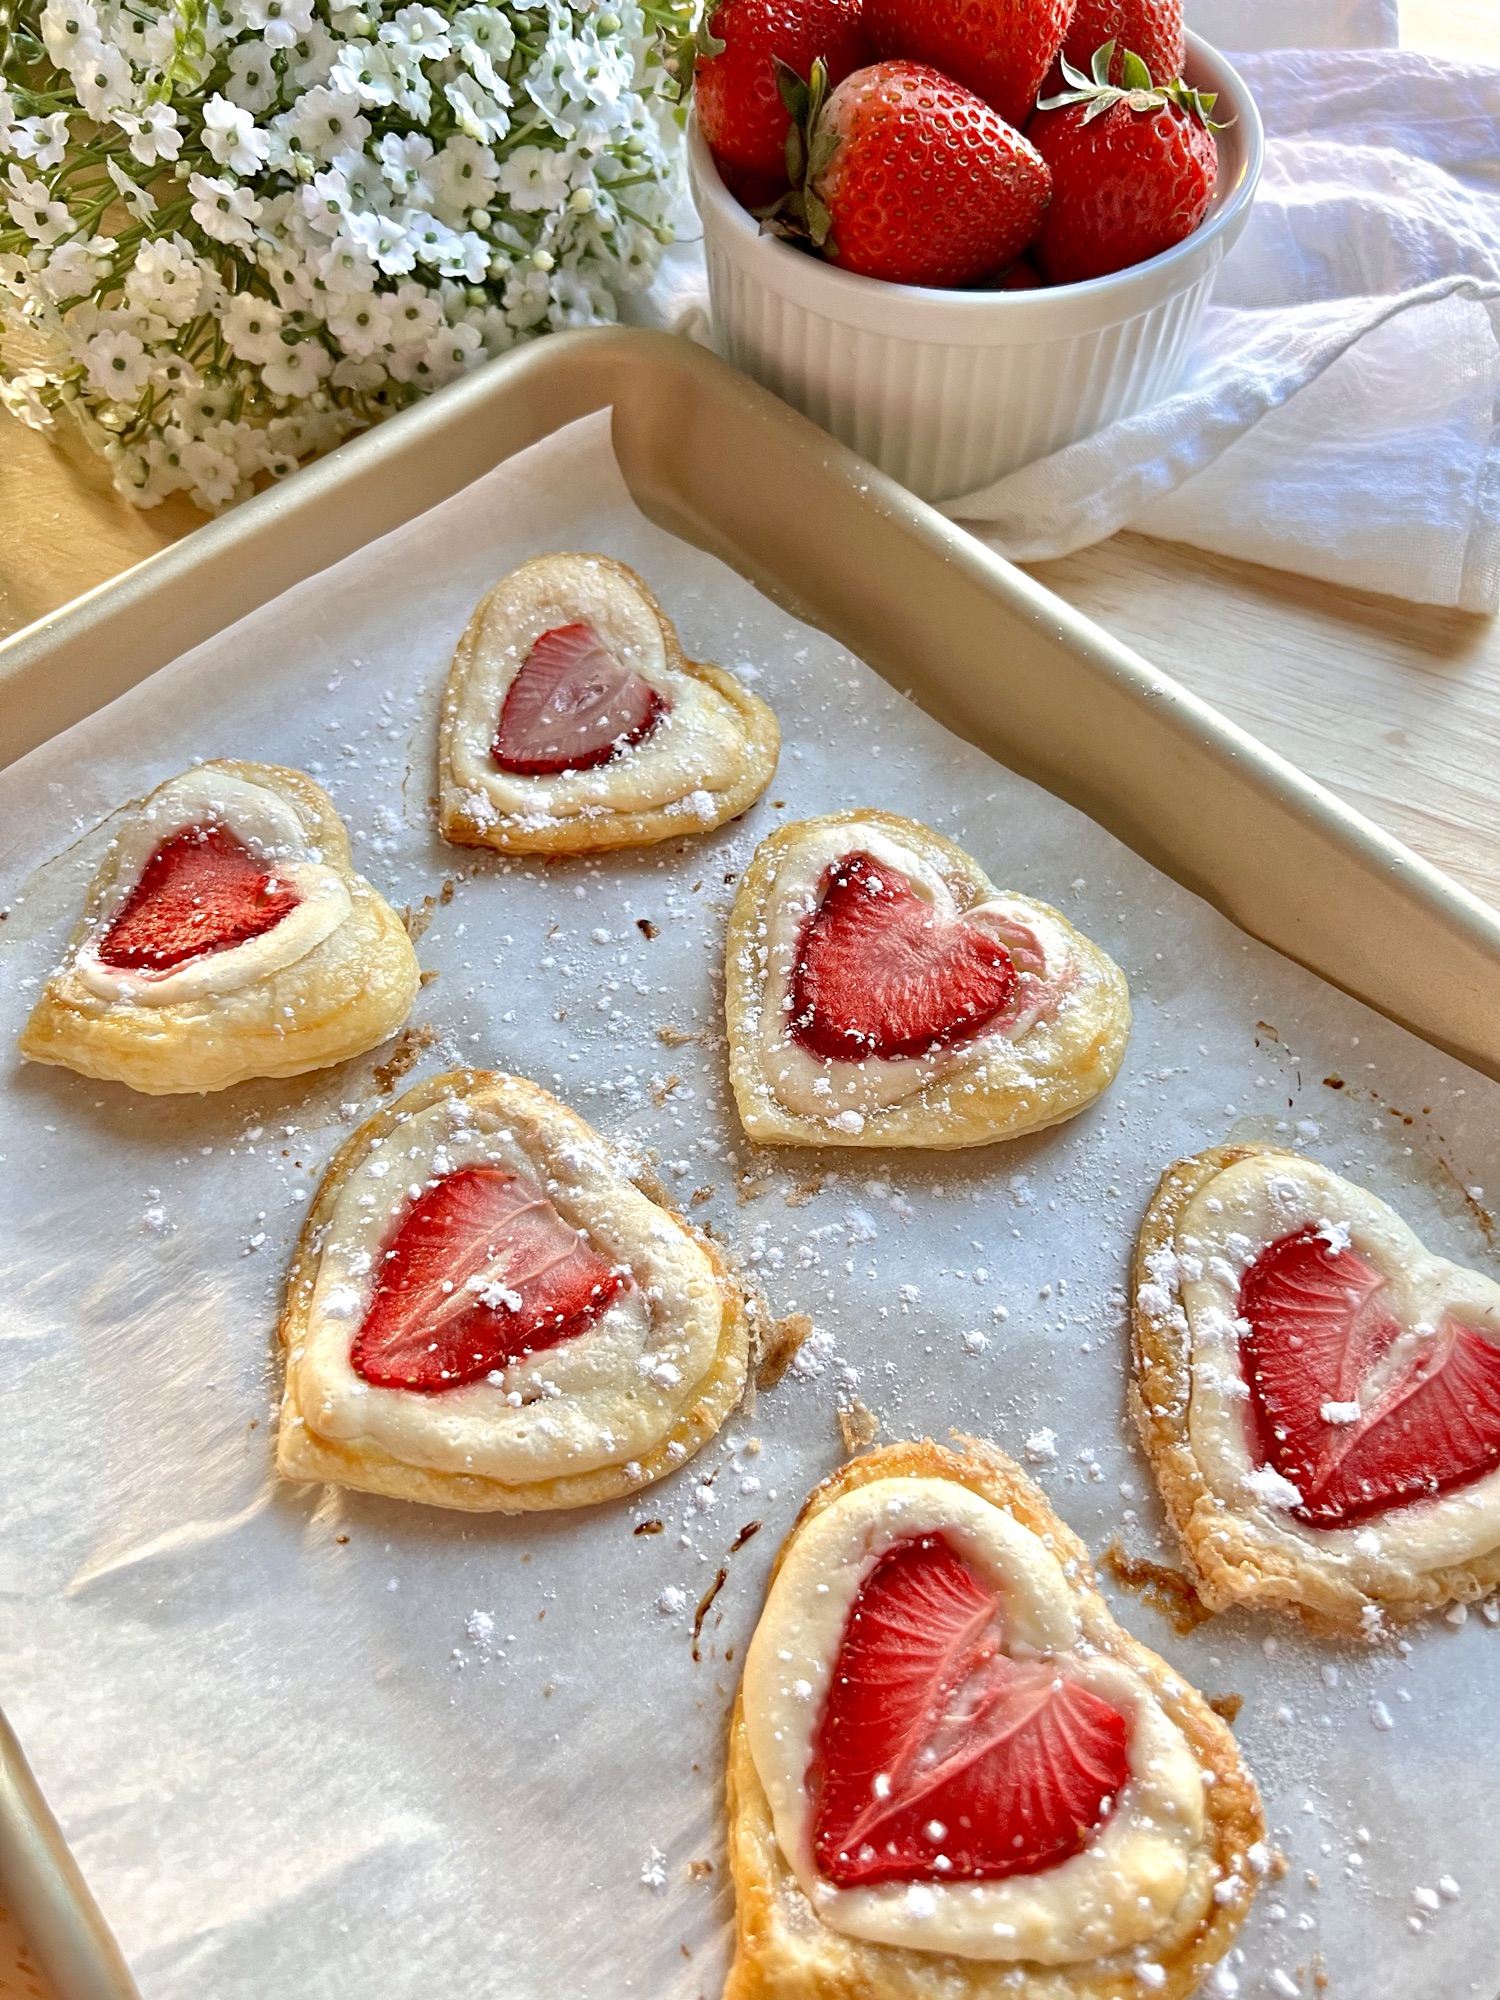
(948, 390)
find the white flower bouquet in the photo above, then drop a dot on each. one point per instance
(238, 230)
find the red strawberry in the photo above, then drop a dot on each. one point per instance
(1320, 1328)
(740, 112)
(572, 706)
(999, 49)
(483, 1271)
(936, 1746)
(202, 891)
(1151, 29)
(907, 176)
(1133, 170)
(881, 973)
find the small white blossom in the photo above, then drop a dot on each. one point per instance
(484, 28)
(419, 31)
(232, 136)
(70, 31)
(311, 57)
(154, 133)
(44, 140)
(536, 177)
(452, 353)
(297, 369)
(223, 211)
(328, 122)
(279, 22)
(117, 363)
(406, 161)
(139, 200)
(252, 326)
(22, 396)
(33, 209)
(383, 239)
(251, 83)
(104, 81)
(482, 114)
(464, 176)
(74, 269)
(361, 324)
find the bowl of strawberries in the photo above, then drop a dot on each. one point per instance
(961, 234)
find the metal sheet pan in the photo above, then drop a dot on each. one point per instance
(713, 459)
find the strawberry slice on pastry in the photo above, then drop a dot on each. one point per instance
(225, 936)
(1319, 1394)
(483, 1271)
(202, 891)
(486, 1312)
(881, 992)
(573, 705)
(946, 1755)
(573, 722)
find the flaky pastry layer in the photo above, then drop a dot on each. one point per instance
(1230, 1560)
(304, 1454)
(783, 1951)
(345, 996)
(749, 738)
(996, 1089)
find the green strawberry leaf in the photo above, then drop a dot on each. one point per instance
(1136, 74)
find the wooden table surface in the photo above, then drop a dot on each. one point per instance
(1394, 706)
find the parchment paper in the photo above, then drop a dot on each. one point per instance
(332, 1748)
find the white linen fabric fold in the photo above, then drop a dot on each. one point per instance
(1340, 412)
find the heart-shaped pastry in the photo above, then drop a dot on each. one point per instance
(225, 936)
(1319, 1394)
(945, 1753)
(573, 722)
(486, 1312)
(881, 992)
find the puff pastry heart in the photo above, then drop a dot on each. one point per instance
(881, 992)
(573, 723)
(226, 936)
(1318, 1394)
(952, 1776)
(485, 1312)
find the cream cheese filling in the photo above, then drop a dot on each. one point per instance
(606, 1397)
(845, 1094)
(1219, 1234)
(1120, 1891)
(271, 828)
(690, 754)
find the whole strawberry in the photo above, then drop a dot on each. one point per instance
(1151, 28)
(999, 49)
(907, 176)
(1133, 169)
(740, 112)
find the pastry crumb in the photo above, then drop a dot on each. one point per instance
(403, 1057)
(779, 1348)
(1227, 1706)
(674, 1038)
(1165, 1590)
(858, 1426)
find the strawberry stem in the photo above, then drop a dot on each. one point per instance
(799, 216)
(1136, 89)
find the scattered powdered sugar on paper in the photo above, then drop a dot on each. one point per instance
(271, 1763)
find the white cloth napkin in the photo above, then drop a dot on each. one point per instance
(1340, 413)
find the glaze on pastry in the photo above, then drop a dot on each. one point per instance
(952, 1775)
(226, 936)
(485, 1312)
(573, 723)
(1318, 1394)
(881, 992)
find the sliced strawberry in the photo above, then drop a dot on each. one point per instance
(482, 1272)
(202, 891)
(937, 1757)
(572, 706)
(881, 973)
(1320, 1324)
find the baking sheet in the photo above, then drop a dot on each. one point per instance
(313, 1745)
